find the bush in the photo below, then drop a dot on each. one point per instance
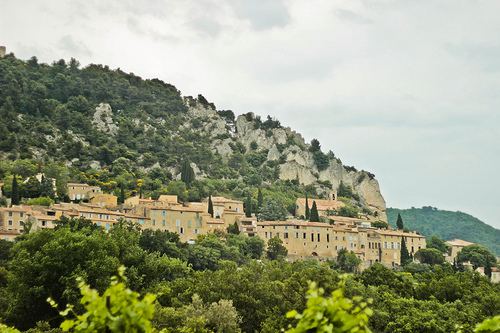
(42, 201)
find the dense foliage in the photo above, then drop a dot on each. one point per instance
(218, 275)
(447, 225)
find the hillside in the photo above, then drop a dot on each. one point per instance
(447, 225)
(101, 126)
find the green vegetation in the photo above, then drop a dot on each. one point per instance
(314, 216)
(218, 275)
(447, 225)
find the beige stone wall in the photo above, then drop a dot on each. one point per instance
(306, 239)
(104, 200)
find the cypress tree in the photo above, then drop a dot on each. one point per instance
(187, 172)
(405, 256)
(307, 209)
(210, 206)
(314, 217)
(260, 199)
(122, 193)
(487, 268)
(248, 206)
(399, 222)
(15, 192)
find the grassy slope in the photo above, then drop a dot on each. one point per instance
(447, 225)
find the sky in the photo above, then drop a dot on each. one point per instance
(407, 90)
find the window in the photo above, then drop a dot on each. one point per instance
(278, 234)
(197, 215)
(154, 212)
(197, 224)
(265, 234)
(350, 237)
(107, 225)
(163, 213)
(21, 223)
(336, 237)
(10, 214)
(343, 238)
(163, 222)
(304, 235)
(177, 223)
(189, 223)
(10, 222)
(285, 235)
(98, 224)
(312, 237)
(154, 222)
(355, 238)
(44, 223)
(296, 227)
(196, 231)
(319, 237)
(141, 221)
(328, 237)
(21, 214)
(286, 227)
(181, 230)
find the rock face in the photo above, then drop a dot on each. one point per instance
(102, 119)
(288, 148)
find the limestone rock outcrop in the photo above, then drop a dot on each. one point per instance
(103, 121)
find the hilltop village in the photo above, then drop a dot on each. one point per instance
(302, 239)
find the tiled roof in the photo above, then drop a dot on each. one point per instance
(458, 242)
(9, 232)
(398, 233)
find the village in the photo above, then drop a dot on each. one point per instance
(302, 239)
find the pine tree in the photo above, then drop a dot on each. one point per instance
(248, 206)
(260, 199)
(15, 191)
(210, 206)
(314, 217)
(405, 256)
(399, 222)
(307, 209)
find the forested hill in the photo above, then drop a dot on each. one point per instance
(447, 225)
(105, 127)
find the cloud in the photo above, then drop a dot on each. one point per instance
(70, 46)
(262, 14)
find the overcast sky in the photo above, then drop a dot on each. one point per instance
(408, 90)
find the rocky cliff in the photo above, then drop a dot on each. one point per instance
(289, 149)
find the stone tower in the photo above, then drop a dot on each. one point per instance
(3, 50)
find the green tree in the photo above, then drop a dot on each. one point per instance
(404, 255)
(334, 314)
(272, 211)
(260, 199)
(32, 188)
(399, 223)
(476, 254)
(210, 206)
(121, 199)
(348, 261)
(437, 243)
(41, 201)
(233, 229)
(380, 224)
(15, 191)
(47, 188)
(248, 206)
(314, 213)
(429, 256)
(307, 209)
(187, 172)
(275, 249)
(119, 309)
(348, 211)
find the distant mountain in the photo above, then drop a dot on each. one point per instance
(447, 225)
